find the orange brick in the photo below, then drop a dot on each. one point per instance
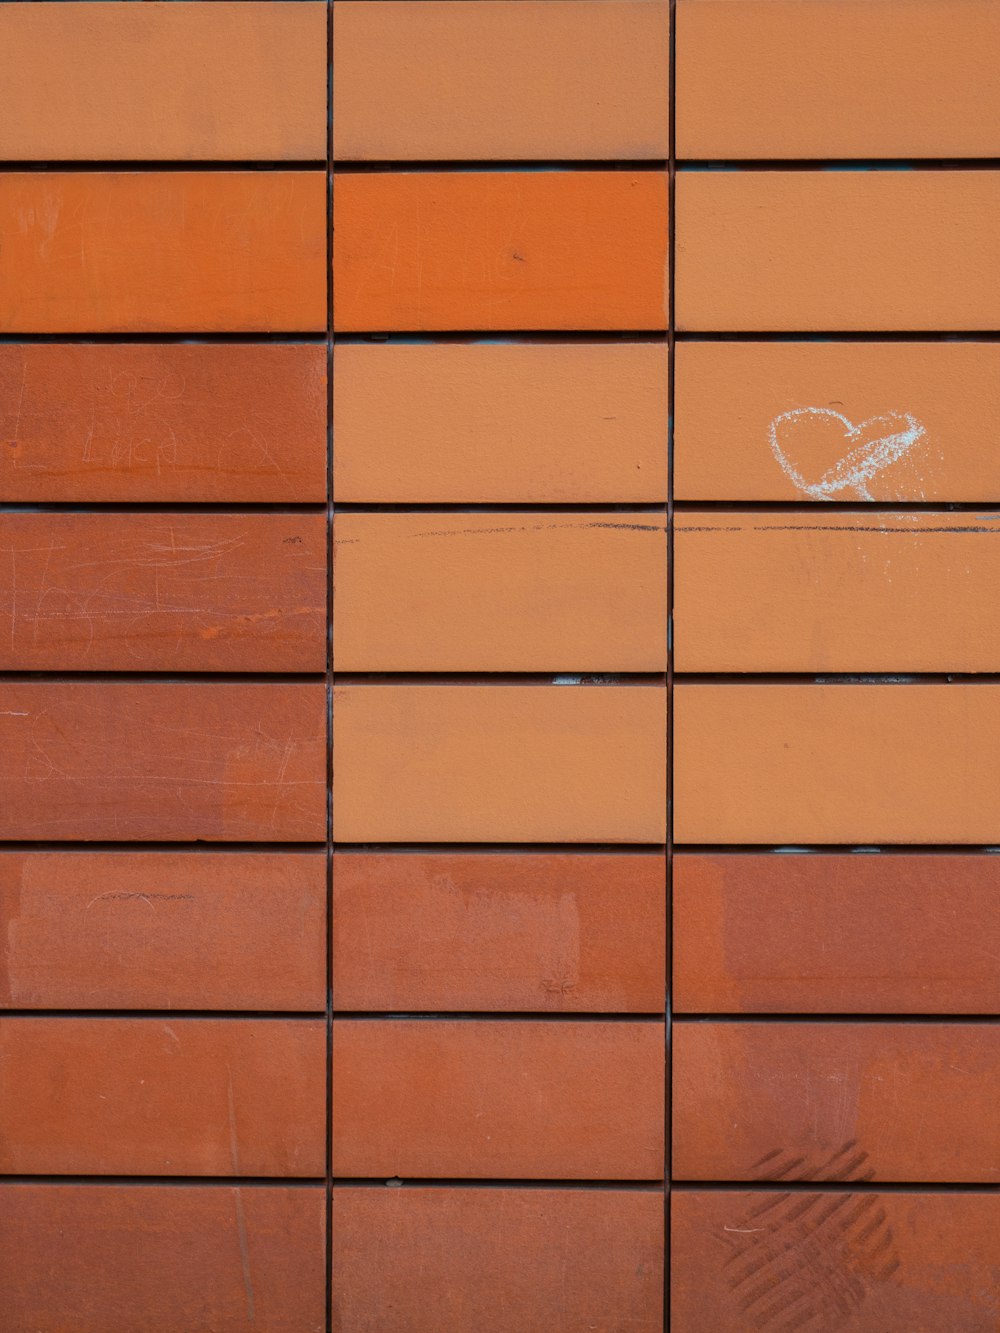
(836, 592)
(831, 78)
(162, 930)
(567, 931)
(500, 1099)
(836, 1101)
(845, 250)
(507, 1258)
(135, 1096)
(165, 81)
(883, 1261)
(500, 592)
(499, 763)
(868, 934)
(495, 79)
(167, 251)
(163, 421)
(249, 1260)
(500, 250)
(780, 764)
(568, 423)
(163, 760)
(162, 592)
(778, 421)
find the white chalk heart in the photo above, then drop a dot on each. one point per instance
(870, 446)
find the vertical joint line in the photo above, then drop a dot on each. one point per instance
(671, 373)
(328, 1084)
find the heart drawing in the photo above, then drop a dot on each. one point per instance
(871, 446)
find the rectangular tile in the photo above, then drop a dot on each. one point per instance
(424, 250)
(845, 250)
(567, 422)
(249, 1260)
(837, 592)
(507, 1258)
(142, 1096)
(843, 421)
(561, 931)
(494, 79)
(163, 422)
(224, 81)
(836, 933)
(779, 764)
(499, 763)
(163, 251)
(832, 78)
(836, 1101)
(538, 591)
(162, 930)
(494, 1099)
(163, 592)
(162, 760)
(882, 1261)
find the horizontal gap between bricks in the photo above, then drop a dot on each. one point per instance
(430, 679)
(833, 1187)
(480, 166)
(777, 678)
(156, 166)
(317, 848)
(457, 508)
(691, 164)
(839, 335)
(166, 337)
(128, 507)
(837, 848)
(951, 1020)
(339, 1015)
(817, 509)
(344, 1182)
(493, 337)
(162, 677)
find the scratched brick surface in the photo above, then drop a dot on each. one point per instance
(160, 592)
(162, 422)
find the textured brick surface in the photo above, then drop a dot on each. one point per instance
(782, 420)
(566, 932)
(149, 760)
(110, 1259)
(846, 1101)
(494, 1099)
(857, 592)
(868, 934)
(848, 763)
(538, 591)
(162, 930)
(170, 251)
(500, 250)
(189, 1097)
(161, 592)
(568, 423)
(168, 81)
(864, 1262)
(830, 78)
(499, 763)
(496, 1259)
(865, 250)
(501, 80)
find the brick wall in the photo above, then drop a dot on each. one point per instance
(497, 499)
